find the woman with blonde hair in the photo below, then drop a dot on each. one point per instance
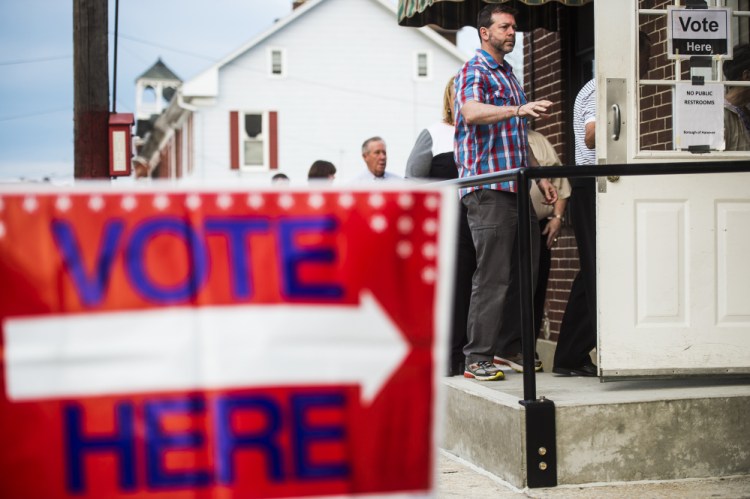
(432, 155)
(432, 158)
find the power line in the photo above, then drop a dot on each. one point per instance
(40, 59)
(167, 47)
(31, 115)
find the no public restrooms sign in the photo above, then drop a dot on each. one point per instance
(167, 342)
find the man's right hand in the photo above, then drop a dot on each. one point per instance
(536, 109)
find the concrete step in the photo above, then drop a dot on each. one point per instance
(458, 479)
(606, 432)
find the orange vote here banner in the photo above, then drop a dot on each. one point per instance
(167, 342)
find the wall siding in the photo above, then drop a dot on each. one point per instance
(349, 76)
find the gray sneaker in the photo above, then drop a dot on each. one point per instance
(515, 362)
(483, 371)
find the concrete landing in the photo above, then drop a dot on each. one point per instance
(606, 432)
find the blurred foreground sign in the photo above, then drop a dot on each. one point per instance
(178, 343)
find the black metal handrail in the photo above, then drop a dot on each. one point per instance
(522, 176)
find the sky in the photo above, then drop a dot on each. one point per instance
(36, 64)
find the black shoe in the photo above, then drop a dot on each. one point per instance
(455, 368)
(587, 369)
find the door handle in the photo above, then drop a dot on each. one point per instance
(616, 127)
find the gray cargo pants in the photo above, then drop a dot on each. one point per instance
(493, 220)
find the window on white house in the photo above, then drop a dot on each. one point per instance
(422, 66)
(276, 59)
(254, 140)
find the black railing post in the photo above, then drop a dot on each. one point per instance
(541, 435)
(526, 287)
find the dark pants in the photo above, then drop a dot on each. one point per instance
(466, 264)
(494, 321)
(510, 340)
(578, 329)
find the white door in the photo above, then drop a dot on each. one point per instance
(673, 252)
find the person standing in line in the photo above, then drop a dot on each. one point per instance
(376, 159)
(432, 154)
(736, 100)
(321, 170)
(550, 222)
(551, 218)
(280, 178)
(432, 157)
(490, 136)
(578, 329)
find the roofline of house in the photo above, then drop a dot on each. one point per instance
(206, 84)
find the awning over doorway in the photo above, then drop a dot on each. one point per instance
(455, 14)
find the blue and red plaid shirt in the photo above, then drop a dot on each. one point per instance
(492, 148)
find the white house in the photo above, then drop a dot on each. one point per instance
(315, 85)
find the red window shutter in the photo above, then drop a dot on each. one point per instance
(234, 140)
(190, 143)
(179, 166)
(273, 139)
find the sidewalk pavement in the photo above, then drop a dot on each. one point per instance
(458, 478)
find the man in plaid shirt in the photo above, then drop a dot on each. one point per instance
(491, 108)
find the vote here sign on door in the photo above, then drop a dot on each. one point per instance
(698, 32)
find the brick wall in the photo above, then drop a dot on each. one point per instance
(543, 76)
(656, 102)
(543, 79)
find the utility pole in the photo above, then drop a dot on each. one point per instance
(91, 88)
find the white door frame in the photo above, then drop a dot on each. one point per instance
(672, 299)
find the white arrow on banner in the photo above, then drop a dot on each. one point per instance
(202, 348)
